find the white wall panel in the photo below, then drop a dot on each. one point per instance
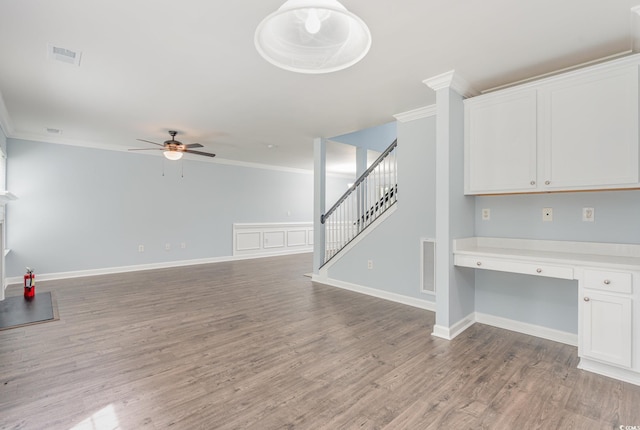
(276, 238)
(296, 238)
(247, 241)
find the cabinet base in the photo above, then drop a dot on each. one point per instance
(624, 375)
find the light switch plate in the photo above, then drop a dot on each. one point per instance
(588, 214)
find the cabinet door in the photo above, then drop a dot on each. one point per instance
(500, 143)
(589, 130)
(606, 328)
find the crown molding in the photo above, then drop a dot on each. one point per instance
(451, 80)
(419, 113)
(217, 160)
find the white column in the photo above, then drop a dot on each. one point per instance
(455, 304)
(319, 201)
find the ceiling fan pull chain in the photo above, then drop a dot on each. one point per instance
(182, 168)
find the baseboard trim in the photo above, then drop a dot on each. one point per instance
(449, 333)
(151, 266)
(609, 371)
(386, 295)
(526, 328)
(456, 329)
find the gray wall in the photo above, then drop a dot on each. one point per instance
(394, 246)
(617, 216)
(376, 138)
(81, 208)
(544, 301)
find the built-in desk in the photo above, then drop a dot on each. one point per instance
(608, 276)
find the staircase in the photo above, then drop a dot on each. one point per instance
(374, 192)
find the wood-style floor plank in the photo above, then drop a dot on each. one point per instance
(256, 345)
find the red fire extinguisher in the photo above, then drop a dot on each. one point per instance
(29, 285)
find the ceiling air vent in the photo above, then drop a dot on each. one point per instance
(52, 130)
(65, 55)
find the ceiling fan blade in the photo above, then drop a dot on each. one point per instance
(148, 141)
(194, 145)
(146, 149)
(206, 154)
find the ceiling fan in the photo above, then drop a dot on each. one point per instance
(174, 149)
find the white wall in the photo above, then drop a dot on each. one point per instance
(82, 209)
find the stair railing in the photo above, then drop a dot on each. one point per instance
(374, 192)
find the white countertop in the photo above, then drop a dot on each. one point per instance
(611, 255)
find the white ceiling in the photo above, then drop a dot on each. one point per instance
(149, 66)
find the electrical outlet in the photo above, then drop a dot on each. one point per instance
(167, 246)
(588, 214)
(547, 214)
(140, 248)
(486, 214)
(370, 264)
(183, 245)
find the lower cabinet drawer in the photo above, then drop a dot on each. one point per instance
(607, 280)
(525, 268)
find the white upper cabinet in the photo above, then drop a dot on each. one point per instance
(589, 130)
(500, 154)
(576, 131)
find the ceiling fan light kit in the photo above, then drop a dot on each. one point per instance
(172, 155)
(312, 36)
(173, 149)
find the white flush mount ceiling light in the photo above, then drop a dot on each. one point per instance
(313, 36)
(172, 155)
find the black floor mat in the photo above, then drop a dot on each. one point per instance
(17, 312)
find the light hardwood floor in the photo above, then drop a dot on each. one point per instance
(255, 344)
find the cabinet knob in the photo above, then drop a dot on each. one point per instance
(539, 270)
(547, 182)
(586, 299)
(479, 263)
(607, 282)
(532, 182)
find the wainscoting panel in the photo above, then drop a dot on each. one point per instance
(272, 238)
(296, 238)
(247, 241)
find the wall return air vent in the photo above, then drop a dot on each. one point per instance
(58, 53)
